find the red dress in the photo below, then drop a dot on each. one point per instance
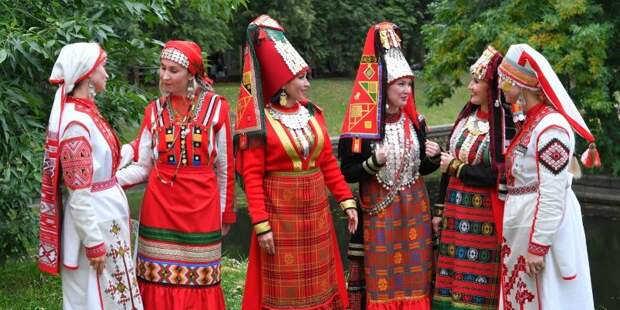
(288, 190)
(188, 197)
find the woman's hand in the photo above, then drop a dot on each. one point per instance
(446, 159)
(436, 222)
(265, 241)
(98, 263)
(432, 148)
(352, 216)
(534, 264)
(381, 153)
(225, 229)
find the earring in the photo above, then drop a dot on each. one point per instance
(190, 89)
(91, 89)
(517, 109)
(283, 98)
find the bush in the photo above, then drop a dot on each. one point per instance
(34, 31)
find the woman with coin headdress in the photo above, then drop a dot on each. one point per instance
(469, 208)
(383, 147)
(286, 162)
(184, 151)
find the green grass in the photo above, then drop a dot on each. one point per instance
(333, 95)
(23, 286)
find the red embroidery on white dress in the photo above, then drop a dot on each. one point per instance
(538, 249)
(522, 295)
(77, 163)
(105, 129)
(554, 156)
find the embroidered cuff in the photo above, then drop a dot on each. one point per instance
(371, 165)
(347, 204)
(95, 251)
(538, 249)
(262, 228)
(368, 169)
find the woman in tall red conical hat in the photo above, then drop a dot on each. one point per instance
(469, 209)
(285, 159)
(544, 253)
(383, 147)
(184, 152)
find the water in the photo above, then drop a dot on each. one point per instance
(602, 233)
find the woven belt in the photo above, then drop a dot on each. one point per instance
(522, 190)
(103, 185)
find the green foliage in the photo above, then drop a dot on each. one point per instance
(33, 33)
(575, 36)
(330, 34)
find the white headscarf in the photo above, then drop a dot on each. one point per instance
(75, 62)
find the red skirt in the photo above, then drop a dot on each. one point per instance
(306, 270)
(397, 249)
(469, 250)
(179, 241)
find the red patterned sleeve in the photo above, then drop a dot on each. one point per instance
(77, 162)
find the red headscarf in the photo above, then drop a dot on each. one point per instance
(193, 52)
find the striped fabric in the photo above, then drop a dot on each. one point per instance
(302, 272)
(398, 249)
(170, 257)
(468, 265)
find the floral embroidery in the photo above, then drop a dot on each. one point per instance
(77, 163)
(122, 286)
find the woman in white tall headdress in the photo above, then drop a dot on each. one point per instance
(84, 217)
(544, 254)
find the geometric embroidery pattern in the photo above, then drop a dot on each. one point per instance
(122, 286)
(77, 163)
(554, 156)
(176, 274)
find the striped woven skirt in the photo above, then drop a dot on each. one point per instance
(302, 274)
(397, 248)
(468, 264)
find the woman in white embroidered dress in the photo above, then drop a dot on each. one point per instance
(544, 254)
(97, 269)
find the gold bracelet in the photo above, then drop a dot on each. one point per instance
(347, 204)
(262, 227)
(453, 166)
(458, 170)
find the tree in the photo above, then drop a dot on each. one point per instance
(330, 34)
(575, 36)
(33, 32)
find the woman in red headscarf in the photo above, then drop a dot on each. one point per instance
(383, 147)
(287, 165)
(184, 150)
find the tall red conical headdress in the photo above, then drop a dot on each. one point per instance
(269, 62)
(382, 62)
